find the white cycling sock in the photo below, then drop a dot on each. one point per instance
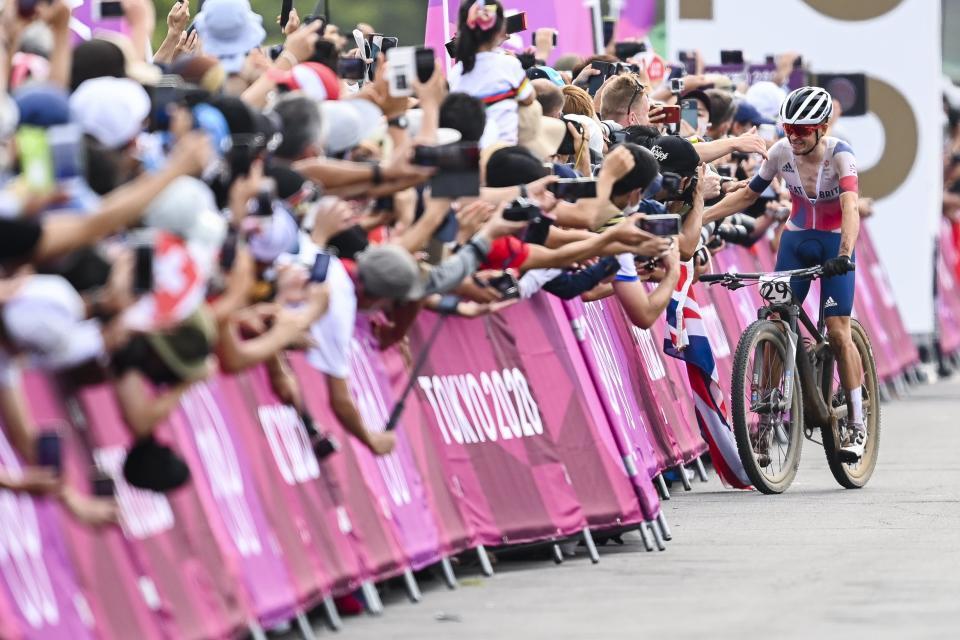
(856, 405)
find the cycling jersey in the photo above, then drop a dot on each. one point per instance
(838, 174)
(812, 235)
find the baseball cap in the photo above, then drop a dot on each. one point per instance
(212, 121)
(389, 271)
(37, 38)
(205, 72)
(272, 236)
(315, 80)
(347, 123)
(675, 155)
(42, 105)
(697, 94)
(229, 30)
(766, 97)
(548, 73)
(115, 121)
(746, 112)
(445, 135)
(47, 317)
(187, 208)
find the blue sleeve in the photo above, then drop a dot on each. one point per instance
(652, 207)
(571, 284)
(758, 184)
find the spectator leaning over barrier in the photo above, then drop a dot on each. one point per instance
(643, 308)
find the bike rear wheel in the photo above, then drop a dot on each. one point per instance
(769, 434)
(853, 475)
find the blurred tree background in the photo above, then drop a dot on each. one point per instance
(405, 19)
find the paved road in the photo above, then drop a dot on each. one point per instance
(817, 562)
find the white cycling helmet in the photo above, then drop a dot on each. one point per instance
(806, 105)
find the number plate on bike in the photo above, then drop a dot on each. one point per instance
(775, 289)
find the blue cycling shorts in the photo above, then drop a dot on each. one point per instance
(810, 248)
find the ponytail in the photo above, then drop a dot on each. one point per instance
(471, 38)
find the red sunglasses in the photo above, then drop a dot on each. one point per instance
(801, 130)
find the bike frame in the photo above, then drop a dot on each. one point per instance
(791, 316)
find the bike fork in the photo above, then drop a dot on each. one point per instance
(792, 340)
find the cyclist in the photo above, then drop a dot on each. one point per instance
(821, 173)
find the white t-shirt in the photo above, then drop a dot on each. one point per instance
(46, 318)
(495, 74)
(334, 330)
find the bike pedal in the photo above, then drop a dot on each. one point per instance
(848, 457)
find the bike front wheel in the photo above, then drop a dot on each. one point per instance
(768, 427)
(853, 475)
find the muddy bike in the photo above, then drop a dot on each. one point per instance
(786, 387)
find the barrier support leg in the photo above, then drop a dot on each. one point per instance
(256, 631)
(646, 535)
(413, 589)
(657, 538)
(664, 527)
(682, 470)
(662, 487)
(701, 470)
(884, 393)
(485, 565)
(557, 554)
(591, 546)
(448, 576)
(372, 596)
(306, 630)
(333, 616)
(900, 387)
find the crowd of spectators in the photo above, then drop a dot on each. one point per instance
(217, 203)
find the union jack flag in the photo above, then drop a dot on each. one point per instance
(687, 340)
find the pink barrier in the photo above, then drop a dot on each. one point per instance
(178, 560)
(361, 515)
(301, 508)
(948, 293)
(456, 532)
(102, 558)
(590, 452)
(39, 594)
(394, 478)
(610, 368)
(221, 476)
(502, 460)
(522, 369)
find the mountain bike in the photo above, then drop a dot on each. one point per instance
(786, 387)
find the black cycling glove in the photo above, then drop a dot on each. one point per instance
(838, 266)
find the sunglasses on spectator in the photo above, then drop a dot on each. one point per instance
(800, 130)
(638, 89)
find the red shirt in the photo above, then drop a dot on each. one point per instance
(507, 252)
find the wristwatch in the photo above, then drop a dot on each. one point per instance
(399, 122)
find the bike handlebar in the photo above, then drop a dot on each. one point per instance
(812, 272)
